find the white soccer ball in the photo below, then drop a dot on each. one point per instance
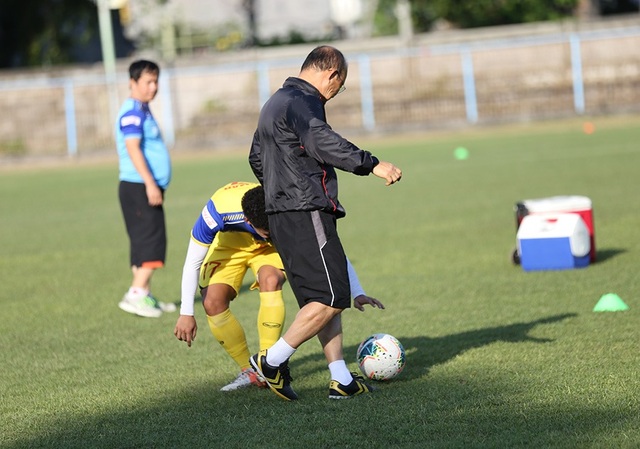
(381, 357)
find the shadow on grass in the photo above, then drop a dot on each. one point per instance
(202, 417)
(445, 348)
(603, 255)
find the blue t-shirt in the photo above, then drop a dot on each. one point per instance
(136, 121)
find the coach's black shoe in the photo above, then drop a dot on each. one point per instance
(278, 378)
(356, 387)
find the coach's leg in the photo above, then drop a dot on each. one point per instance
(309, 321)
(330, 338)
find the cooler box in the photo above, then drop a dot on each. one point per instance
(553, 242)
(574, 204)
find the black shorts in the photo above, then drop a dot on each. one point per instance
(145, 226)
(313, 257)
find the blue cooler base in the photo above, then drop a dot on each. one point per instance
(549, 254)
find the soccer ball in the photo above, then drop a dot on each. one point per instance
(381, 357)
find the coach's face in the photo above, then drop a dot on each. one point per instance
(333, 83)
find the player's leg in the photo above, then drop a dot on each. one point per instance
(223, 324)
(222, 273)
(142, 285)
(147, 236)
(142, 277)
(228, 331)
(271, 316)
(270, 278)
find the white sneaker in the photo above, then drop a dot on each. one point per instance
(146, 306)
(164, 306)
(246, 378)
(167, 306)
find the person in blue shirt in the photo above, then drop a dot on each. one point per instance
(145, 174)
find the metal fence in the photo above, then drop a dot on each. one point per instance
(424, 86)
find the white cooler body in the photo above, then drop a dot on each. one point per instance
(575, 204)
(553, 242)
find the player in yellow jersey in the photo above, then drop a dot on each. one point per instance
(230, 236)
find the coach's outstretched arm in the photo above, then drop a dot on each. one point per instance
(387, 171)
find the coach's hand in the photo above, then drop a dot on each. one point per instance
(186, 329)
(387, 171)
(361, 300)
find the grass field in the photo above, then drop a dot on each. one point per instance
(496, 357)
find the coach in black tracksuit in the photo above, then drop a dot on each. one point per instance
(293, 155)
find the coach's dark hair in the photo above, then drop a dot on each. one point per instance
(325, 57)
(137, 68)
(254, 208)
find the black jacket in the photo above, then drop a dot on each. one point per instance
(294, 152)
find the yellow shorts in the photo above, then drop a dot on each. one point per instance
(231, 254)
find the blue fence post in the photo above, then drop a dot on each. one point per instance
(576, 72)
(70, 119)
(366, 93)
(168, 130)
(468, 78)
(264, 92)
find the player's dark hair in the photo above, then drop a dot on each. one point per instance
(137, 68)
(254, 208)
(325, 57)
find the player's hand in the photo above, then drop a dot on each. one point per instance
(154, 195)
(361, 300)
(387, 171)
(186, 329)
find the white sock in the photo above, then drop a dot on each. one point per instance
(137, 292)
(340, 372)
(279, 352)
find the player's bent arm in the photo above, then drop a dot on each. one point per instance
(354, 282)
(358, 295)
(186, 329)
(196, 253)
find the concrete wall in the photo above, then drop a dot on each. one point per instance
(521, 73)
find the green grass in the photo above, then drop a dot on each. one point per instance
(496, 357)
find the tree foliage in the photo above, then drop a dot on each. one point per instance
(471, 13)
(385, 21)
(44, 32)
(478, 13)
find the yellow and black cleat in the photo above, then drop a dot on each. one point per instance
(356, 387)
(278, 378)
